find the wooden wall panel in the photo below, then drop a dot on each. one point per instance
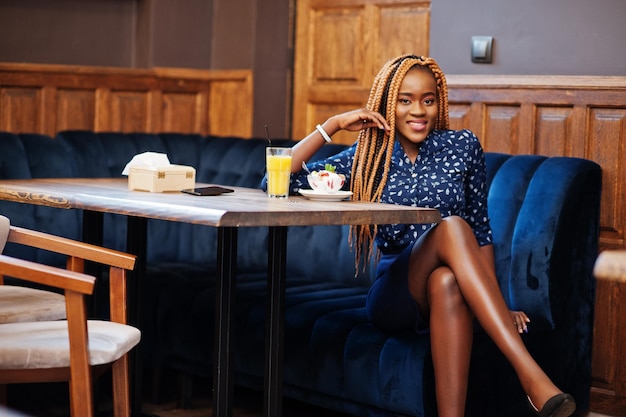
(603, 366)
(400, 27)
(18, 109)
(460, 115)
(75, 109)
(128, 111)
(565, 116)
(50, 98)
(501, 128)
(180, 112)
(553, 126)
(606, 146)
(229, 110)
(338, 35)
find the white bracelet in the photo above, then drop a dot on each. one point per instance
(323, 133)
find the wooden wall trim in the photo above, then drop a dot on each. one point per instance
(43, 98)
(459, 81)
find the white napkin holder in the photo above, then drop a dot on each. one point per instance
(152, 172)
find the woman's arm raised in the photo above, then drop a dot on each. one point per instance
(352, 121)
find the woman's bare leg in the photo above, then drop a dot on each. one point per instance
(452, 244)
(451, 336)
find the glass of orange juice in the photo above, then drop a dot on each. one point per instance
(278, 163)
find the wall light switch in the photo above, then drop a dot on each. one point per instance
(482, 47)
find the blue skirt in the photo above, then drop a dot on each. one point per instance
(389, 303)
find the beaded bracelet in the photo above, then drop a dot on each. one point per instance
(323, 133)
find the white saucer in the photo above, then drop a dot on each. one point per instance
(321, 196)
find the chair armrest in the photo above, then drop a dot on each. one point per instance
(78, 252)
(47, 275)
(71, 248)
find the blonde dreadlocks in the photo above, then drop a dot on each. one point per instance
(372, 157)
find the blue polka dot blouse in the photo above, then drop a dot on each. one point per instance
(449, 174)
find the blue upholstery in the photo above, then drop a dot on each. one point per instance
(544, 213)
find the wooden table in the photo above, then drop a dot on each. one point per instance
(228, 212)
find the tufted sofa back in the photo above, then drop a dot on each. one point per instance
(26, 156)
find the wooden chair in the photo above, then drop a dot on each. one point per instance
(70, 350)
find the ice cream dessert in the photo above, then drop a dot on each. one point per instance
(326, 180)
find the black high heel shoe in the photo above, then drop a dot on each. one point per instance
(561, 405)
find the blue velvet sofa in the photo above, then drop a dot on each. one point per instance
(544, 212)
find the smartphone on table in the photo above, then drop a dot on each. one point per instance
(207, 191)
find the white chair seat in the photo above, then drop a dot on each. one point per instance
(21, 304)
(46, 344)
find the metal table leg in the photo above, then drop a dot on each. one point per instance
(224, 302)
(136, 241)
(274, 337)
(136, 244)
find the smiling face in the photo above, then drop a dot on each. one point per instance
(417, 109)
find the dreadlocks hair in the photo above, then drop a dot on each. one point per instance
(372, 158)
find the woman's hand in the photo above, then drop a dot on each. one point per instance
(356, 120)
(520, 320)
